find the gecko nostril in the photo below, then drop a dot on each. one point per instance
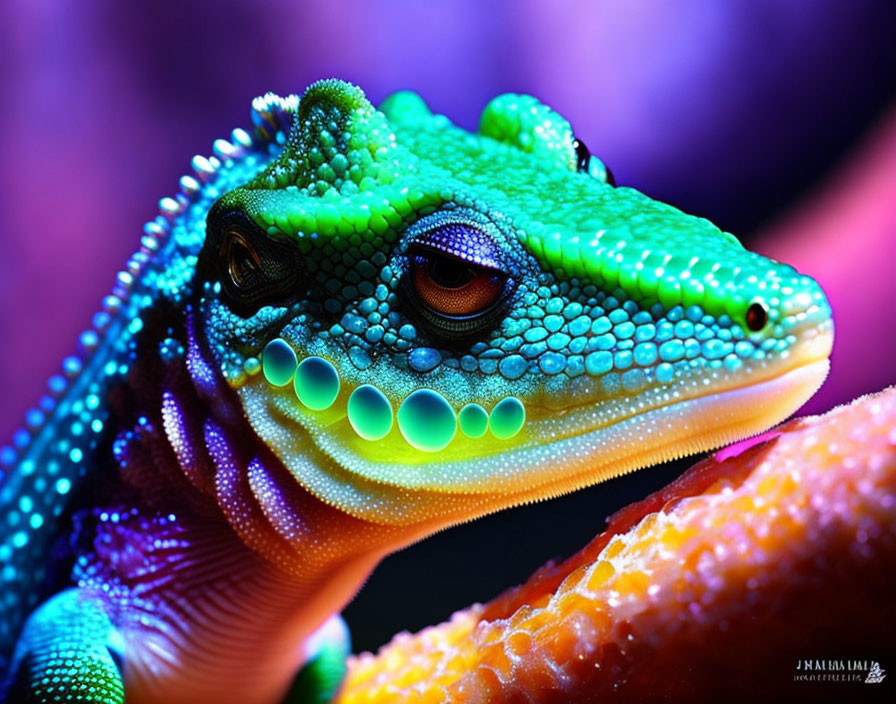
(757, 317)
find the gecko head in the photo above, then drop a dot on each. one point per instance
(425, 322)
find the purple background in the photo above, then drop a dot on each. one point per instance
(732, 110)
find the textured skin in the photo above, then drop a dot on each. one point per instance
(68, 655)
(350, 329)
(622, 303)
(711, 589)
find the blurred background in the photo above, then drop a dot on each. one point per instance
(776, 120)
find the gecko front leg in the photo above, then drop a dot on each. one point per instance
(68, 652)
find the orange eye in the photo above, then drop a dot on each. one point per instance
(454, 287)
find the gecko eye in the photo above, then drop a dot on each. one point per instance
(256, 270)
(452, 286)
(583, 156)
(455, 281)
(587, 164)
(242, 261)
(757, 317)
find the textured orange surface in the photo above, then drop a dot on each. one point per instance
(711, 589)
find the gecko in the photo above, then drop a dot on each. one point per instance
(351, 328)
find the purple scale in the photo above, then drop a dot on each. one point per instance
(464, 242)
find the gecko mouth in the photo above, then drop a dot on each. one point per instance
(588, 416)
(590, 442)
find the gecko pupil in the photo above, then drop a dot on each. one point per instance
(448, 272)
(757, 317)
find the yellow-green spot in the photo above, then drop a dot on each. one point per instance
(278, 362)
(473, 420)
(507, 418)
(370, 412)
(427, 420)
(316, 383)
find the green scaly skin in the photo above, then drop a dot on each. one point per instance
(365, 330)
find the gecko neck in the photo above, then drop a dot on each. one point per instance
(223, 563)
(214, 622)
